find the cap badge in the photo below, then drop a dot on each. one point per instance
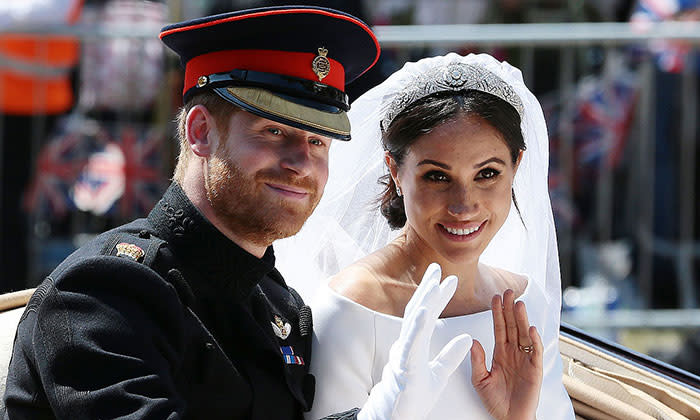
(321, 66)
(281, 328)
(130, 251)
(202, 81)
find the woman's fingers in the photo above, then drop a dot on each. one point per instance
(537, 345)
(499, 323)
(451, 356)
(431, 278)
(523, 326)
(447, 289)
(411, 335)
(478, 359)
(511, 324)
(509, 316)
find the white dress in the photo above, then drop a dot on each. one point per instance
(351, 346)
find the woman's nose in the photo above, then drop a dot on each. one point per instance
(462, 201)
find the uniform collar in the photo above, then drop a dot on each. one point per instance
(204, 249)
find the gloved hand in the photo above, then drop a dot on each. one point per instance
(410, 381)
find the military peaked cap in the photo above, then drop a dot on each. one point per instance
(289, 64)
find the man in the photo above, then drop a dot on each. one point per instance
(182, 314)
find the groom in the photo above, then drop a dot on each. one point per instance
(182, 314)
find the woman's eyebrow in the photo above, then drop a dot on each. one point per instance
(446, 166)
(493, 159)
(433, 162)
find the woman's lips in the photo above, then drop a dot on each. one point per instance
(463, 232)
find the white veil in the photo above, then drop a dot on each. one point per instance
(348, 225)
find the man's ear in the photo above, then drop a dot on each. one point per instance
(200, 130)
(393, 168)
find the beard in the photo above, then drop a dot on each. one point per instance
(242, 205)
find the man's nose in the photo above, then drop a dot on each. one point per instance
(296, 156)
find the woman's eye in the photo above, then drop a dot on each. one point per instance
(436, 176)
(488, 173)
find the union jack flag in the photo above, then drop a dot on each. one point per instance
(669, 55)
(101, 181)
(601, 116)
(605, 111)
(100, 167)
(57, 166)
(143, 175)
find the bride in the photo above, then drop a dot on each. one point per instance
(461, 149)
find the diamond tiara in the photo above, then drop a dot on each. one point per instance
(452, 77)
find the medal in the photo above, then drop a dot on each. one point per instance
(130, 251)
(289, 357)
(281, 328)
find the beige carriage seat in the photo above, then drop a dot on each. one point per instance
(603, 386)
(11, 309)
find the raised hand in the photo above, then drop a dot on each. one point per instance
(411, 382)
(511, 389)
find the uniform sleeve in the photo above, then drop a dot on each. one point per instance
(342, 355)
(103, 341)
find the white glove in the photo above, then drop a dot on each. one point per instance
(411, 383)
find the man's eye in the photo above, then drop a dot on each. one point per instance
(274, 131)
(316, 142)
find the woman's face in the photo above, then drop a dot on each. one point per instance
(456, 182)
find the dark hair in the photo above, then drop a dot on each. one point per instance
(432, 111)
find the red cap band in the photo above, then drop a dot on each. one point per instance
(295, 64)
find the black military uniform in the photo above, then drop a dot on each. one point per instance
(165, 317)
(200, 309)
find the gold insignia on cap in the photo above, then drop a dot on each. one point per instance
(202, 81)
(321, 66)
(129, 250)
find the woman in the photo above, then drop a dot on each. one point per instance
(453, 131)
